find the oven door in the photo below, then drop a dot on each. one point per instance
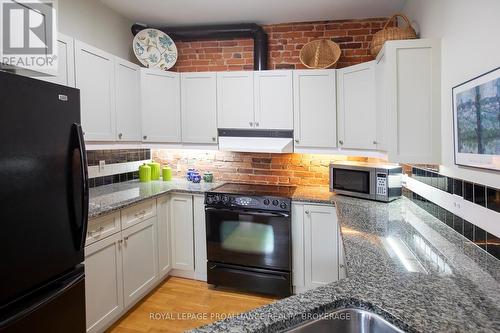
(249, 238)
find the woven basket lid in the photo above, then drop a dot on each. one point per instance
(321, 53)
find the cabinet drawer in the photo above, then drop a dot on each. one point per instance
(138, 213)
(102, 227)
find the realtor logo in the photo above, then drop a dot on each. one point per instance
(27, 28)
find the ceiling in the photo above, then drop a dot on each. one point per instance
(194, 12)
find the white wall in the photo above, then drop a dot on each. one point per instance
(96, 24)
(470, 46)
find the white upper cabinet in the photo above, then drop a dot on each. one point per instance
(381, 102)
(315, 116)
(66, 66)
(160, 105)
(199, 107)
(356, 106)
(410, 74)
(128, 112)
(95, 79)
(273, 98)
(235, 100)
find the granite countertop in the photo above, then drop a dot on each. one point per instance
(109, 198)
(403, 264)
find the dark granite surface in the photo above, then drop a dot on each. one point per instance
(403, 264)
(109, 198)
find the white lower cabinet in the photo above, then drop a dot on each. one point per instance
(181, 218)
(103, 282)
(140, 264)
(314, 246)
(200, 238)
(164, 234)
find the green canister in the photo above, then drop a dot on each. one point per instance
(166, 173)
(144, 173)
(155, 170)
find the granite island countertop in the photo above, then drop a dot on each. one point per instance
(403, 264)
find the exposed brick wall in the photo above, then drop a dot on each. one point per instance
(259, 168)
(285, 42)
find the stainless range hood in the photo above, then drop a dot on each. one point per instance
(256, 141)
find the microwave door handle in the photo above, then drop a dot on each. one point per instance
(269, 214)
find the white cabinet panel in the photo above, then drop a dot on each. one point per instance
(411, 79)
(101, 227)
(199, 107)
(200, 239)
(164, 234)
(103, 283)
(137, 213)
(298, 269)
(315, 117)
(128, 112)
(160, 105)
(273, 96)
(320, 245)
(235, 107)
(181, 212)
(356, 106)
(381, 101)
(140, 262)
(95, 79)
(66, 62)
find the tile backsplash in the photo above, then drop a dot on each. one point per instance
(257, 168)
(114, 157)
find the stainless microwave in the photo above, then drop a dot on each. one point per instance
(380, 182)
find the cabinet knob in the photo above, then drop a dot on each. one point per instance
(120, 135)
(296, 141)
(341, 142)
(257, 124)
(375, 142)
(251, 124)
(145, 137)
(214, 138)
(125, 238)
(307, 212)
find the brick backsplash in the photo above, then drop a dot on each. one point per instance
(259, 168)
(285, 43)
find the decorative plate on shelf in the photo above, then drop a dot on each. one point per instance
(155, 49)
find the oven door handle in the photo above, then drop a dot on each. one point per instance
(268, 214)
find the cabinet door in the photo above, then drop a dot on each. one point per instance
(273, 97)
(103, 282)
(235, 100)
(164, 234)
(320, 245)
(95, 79)
(200, 238)
(160, 104)
(66, 62)
(315, 116)
(199, 107)
(128, 112)
(381, 100)
(140, 263)
(181, 212)
(414, 119)
(356, 106)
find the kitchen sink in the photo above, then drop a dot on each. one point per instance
(347, 321)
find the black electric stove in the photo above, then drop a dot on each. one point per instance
(249, 237)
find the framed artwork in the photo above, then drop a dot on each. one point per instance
(476, 121)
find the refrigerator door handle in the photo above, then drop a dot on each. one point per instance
(81, 215)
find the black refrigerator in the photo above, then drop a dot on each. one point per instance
(43, 207)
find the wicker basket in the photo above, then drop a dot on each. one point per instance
(321, 53)
(391, 33)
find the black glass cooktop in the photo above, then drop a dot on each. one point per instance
(283, 191)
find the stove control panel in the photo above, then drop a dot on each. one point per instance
(247, 202)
